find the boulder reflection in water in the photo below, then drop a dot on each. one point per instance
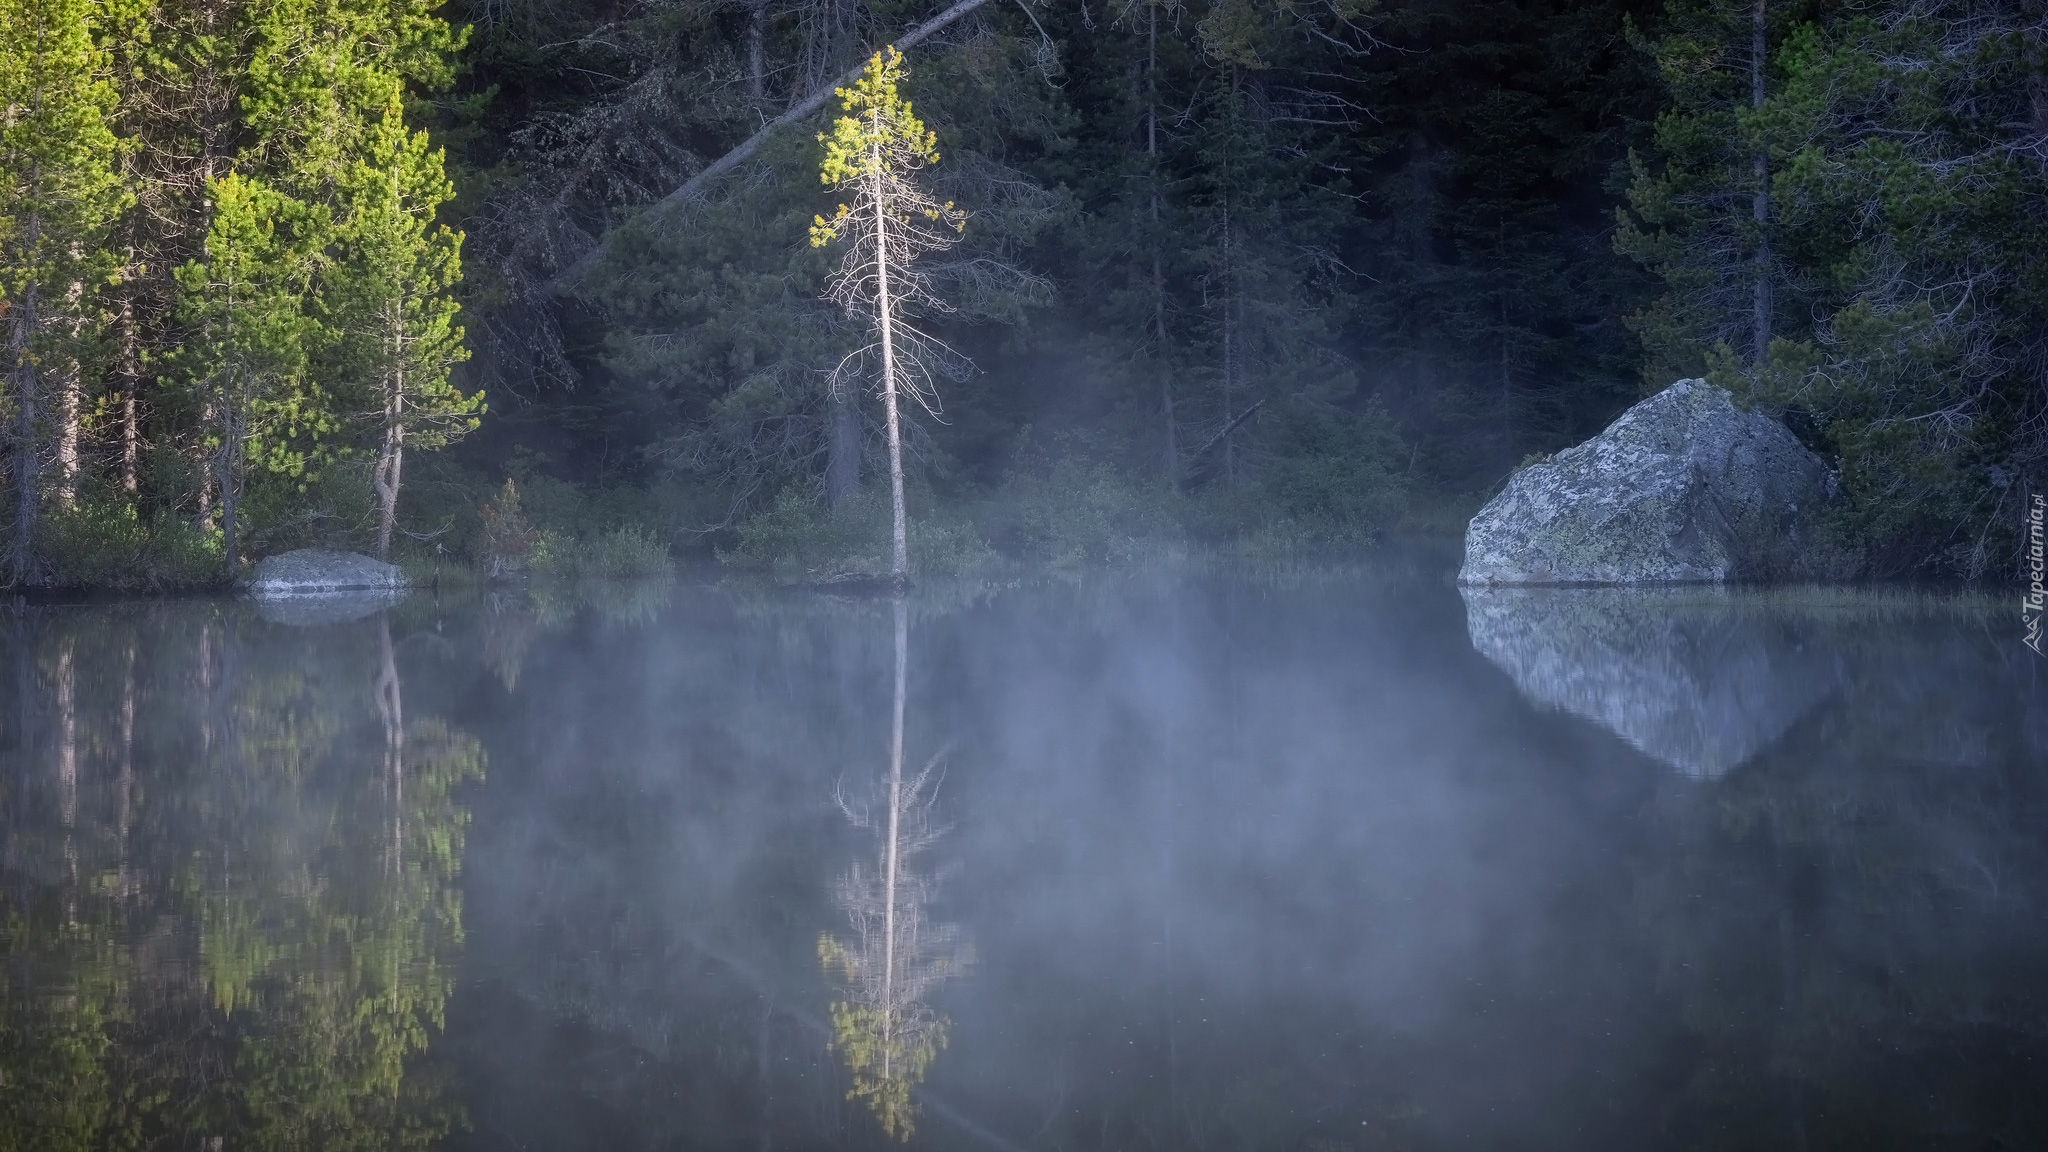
(1699, 678)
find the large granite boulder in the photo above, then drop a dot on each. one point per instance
(1685, 487)
(1702, 679)
(315, 571)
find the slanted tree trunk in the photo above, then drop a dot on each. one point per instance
(696, 185)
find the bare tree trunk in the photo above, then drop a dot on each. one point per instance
(227, 462)
(128, 379)
(390, 463)
(1161, 360)
(1507, 378)
(1760, 209)
(67, 434)
(757, 52)
(212, 144)
(1230, 350)
(899, 537)
(209, 411)
(391, 457)
(27, 452)
(842, 448)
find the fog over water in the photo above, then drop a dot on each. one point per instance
(1311, 860)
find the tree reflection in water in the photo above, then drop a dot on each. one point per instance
(881, 1025)
(228, 900)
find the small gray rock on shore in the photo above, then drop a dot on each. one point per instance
(1685, 487)
(316, 571)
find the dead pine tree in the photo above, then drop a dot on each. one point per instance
(874, 154)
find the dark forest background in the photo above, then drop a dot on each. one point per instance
(1258, 276)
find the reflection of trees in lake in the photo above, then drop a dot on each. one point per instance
(882, 1026)
(227, 900)
(1859, 910)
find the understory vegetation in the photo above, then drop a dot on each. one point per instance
(1200, 276)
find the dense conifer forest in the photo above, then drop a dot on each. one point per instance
(532, 284)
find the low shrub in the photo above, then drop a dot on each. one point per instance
(104, 543)
(1070, 512)
(624, 552)
(1332, 471)
(799, 539)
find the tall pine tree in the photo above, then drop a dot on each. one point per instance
(59, 190)
(391, 294)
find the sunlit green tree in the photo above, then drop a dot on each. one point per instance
(59, 190)
(244, 300)
(391, 287)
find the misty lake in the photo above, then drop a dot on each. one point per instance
(1310, 860)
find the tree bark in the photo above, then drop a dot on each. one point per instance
(695, 186)
(230, 499)
(390, 466)
(1507, 376)
(67, 434)
(899, 537)
(128, 380)
(1760, 209)
(842, 447)
(234, 405)
(757, 52)
(27, 459)
(1230, 352)
(1160, 357)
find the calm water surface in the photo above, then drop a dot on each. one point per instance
(1322, 861)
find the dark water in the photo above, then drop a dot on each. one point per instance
(1312, 861)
